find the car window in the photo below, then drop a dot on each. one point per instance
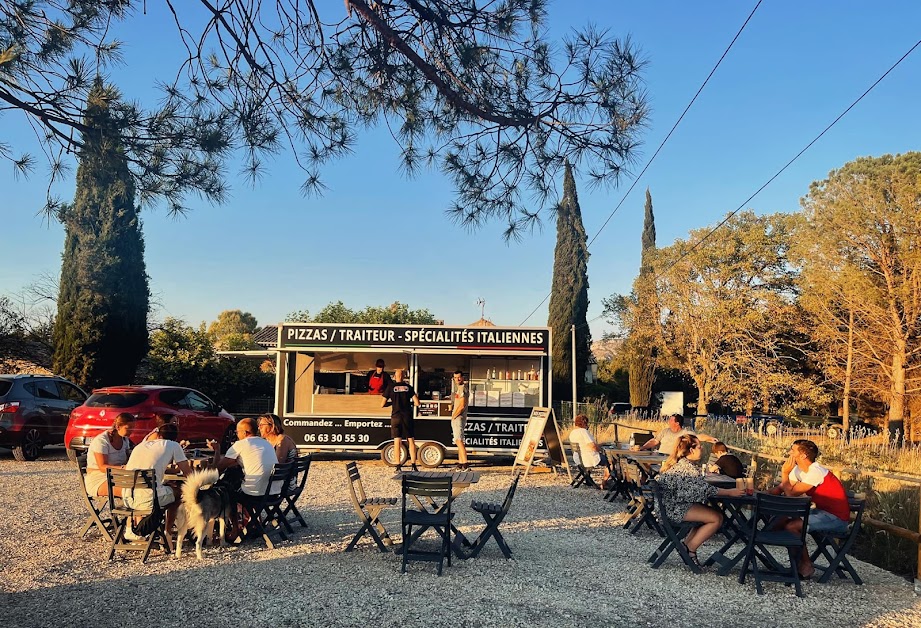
(71, 392)
(173, 397)
(115, 399)
(47, 389)
(197, 402)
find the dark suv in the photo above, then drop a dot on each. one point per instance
(199, 419)
(33, 412)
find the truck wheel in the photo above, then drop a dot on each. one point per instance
(833, 432)
(388, 455)
(431, 455)
(772, 428)
(30, 445)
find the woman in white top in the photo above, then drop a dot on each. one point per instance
(108, 450)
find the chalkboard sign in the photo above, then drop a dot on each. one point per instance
(541, 424)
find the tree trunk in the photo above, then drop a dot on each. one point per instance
(846, 409)
(897, 388)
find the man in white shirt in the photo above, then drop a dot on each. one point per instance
(666, 439)
(158, 453)
(254, 453)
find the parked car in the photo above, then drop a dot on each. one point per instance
(198, 418)
(33, 412)
(769, 424)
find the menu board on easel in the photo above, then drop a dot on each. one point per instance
(541, 424)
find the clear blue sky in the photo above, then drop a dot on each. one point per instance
(376, 237)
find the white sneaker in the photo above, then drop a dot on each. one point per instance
(130, 535)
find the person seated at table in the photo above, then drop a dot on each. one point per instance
(271, 429)
(588, 452)
(161, 419)
(685, 492)
(666, 439)
(255, 454)
(109, 450)
(158, 453)
(802, 475)
(726, 463)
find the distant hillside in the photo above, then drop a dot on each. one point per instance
(606, 349)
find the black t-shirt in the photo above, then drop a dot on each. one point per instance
(401, 396)
(731, 466)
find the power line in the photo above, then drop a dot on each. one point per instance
(785, 166)
(655, 154)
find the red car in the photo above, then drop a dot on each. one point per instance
(198, 418)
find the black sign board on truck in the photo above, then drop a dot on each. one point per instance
(317, 336)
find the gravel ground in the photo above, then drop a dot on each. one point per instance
(573, 565)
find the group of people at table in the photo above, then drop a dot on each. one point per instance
(261, 444)
(686, 491)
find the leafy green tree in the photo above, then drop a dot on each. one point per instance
(569, 293)
(475, 89)
(182, 355)
(861, 256)
(12, 333)
(233, 331)
(100, 332)
(394, 314)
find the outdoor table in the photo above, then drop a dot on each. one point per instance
(736, 525)
(719, 480)
(649, 461)
(460, 480)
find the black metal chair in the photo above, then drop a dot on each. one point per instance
(836, 546)
(369, 511)
(770, 513)
(494, 514)
(673, 533)
(300, 470)
(95, 505)
(439, 520)
(265, 510)
(131, 484)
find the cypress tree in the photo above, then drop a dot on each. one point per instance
(569, 293)
(640, 349)
(100, 333)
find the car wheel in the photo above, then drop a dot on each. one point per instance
(431, 455)
(29, 446)
(833, 432)
(71, 454)
(230, 437)
(388, 455)
(773, 428)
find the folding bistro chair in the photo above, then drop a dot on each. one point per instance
(583, 475)
(439, 520)
(770, 512)
(96, 518)
(493, 514)
(300, 470)
(130, 483)
(673, 532)
(265, 510)
(641, 509)
(619, 486)
(835, 546)
(368, 510)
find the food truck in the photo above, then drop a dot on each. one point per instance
(322, 372)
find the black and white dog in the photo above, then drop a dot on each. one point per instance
(206, 498)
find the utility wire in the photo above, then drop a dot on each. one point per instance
(655, 154)
(785, 166)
